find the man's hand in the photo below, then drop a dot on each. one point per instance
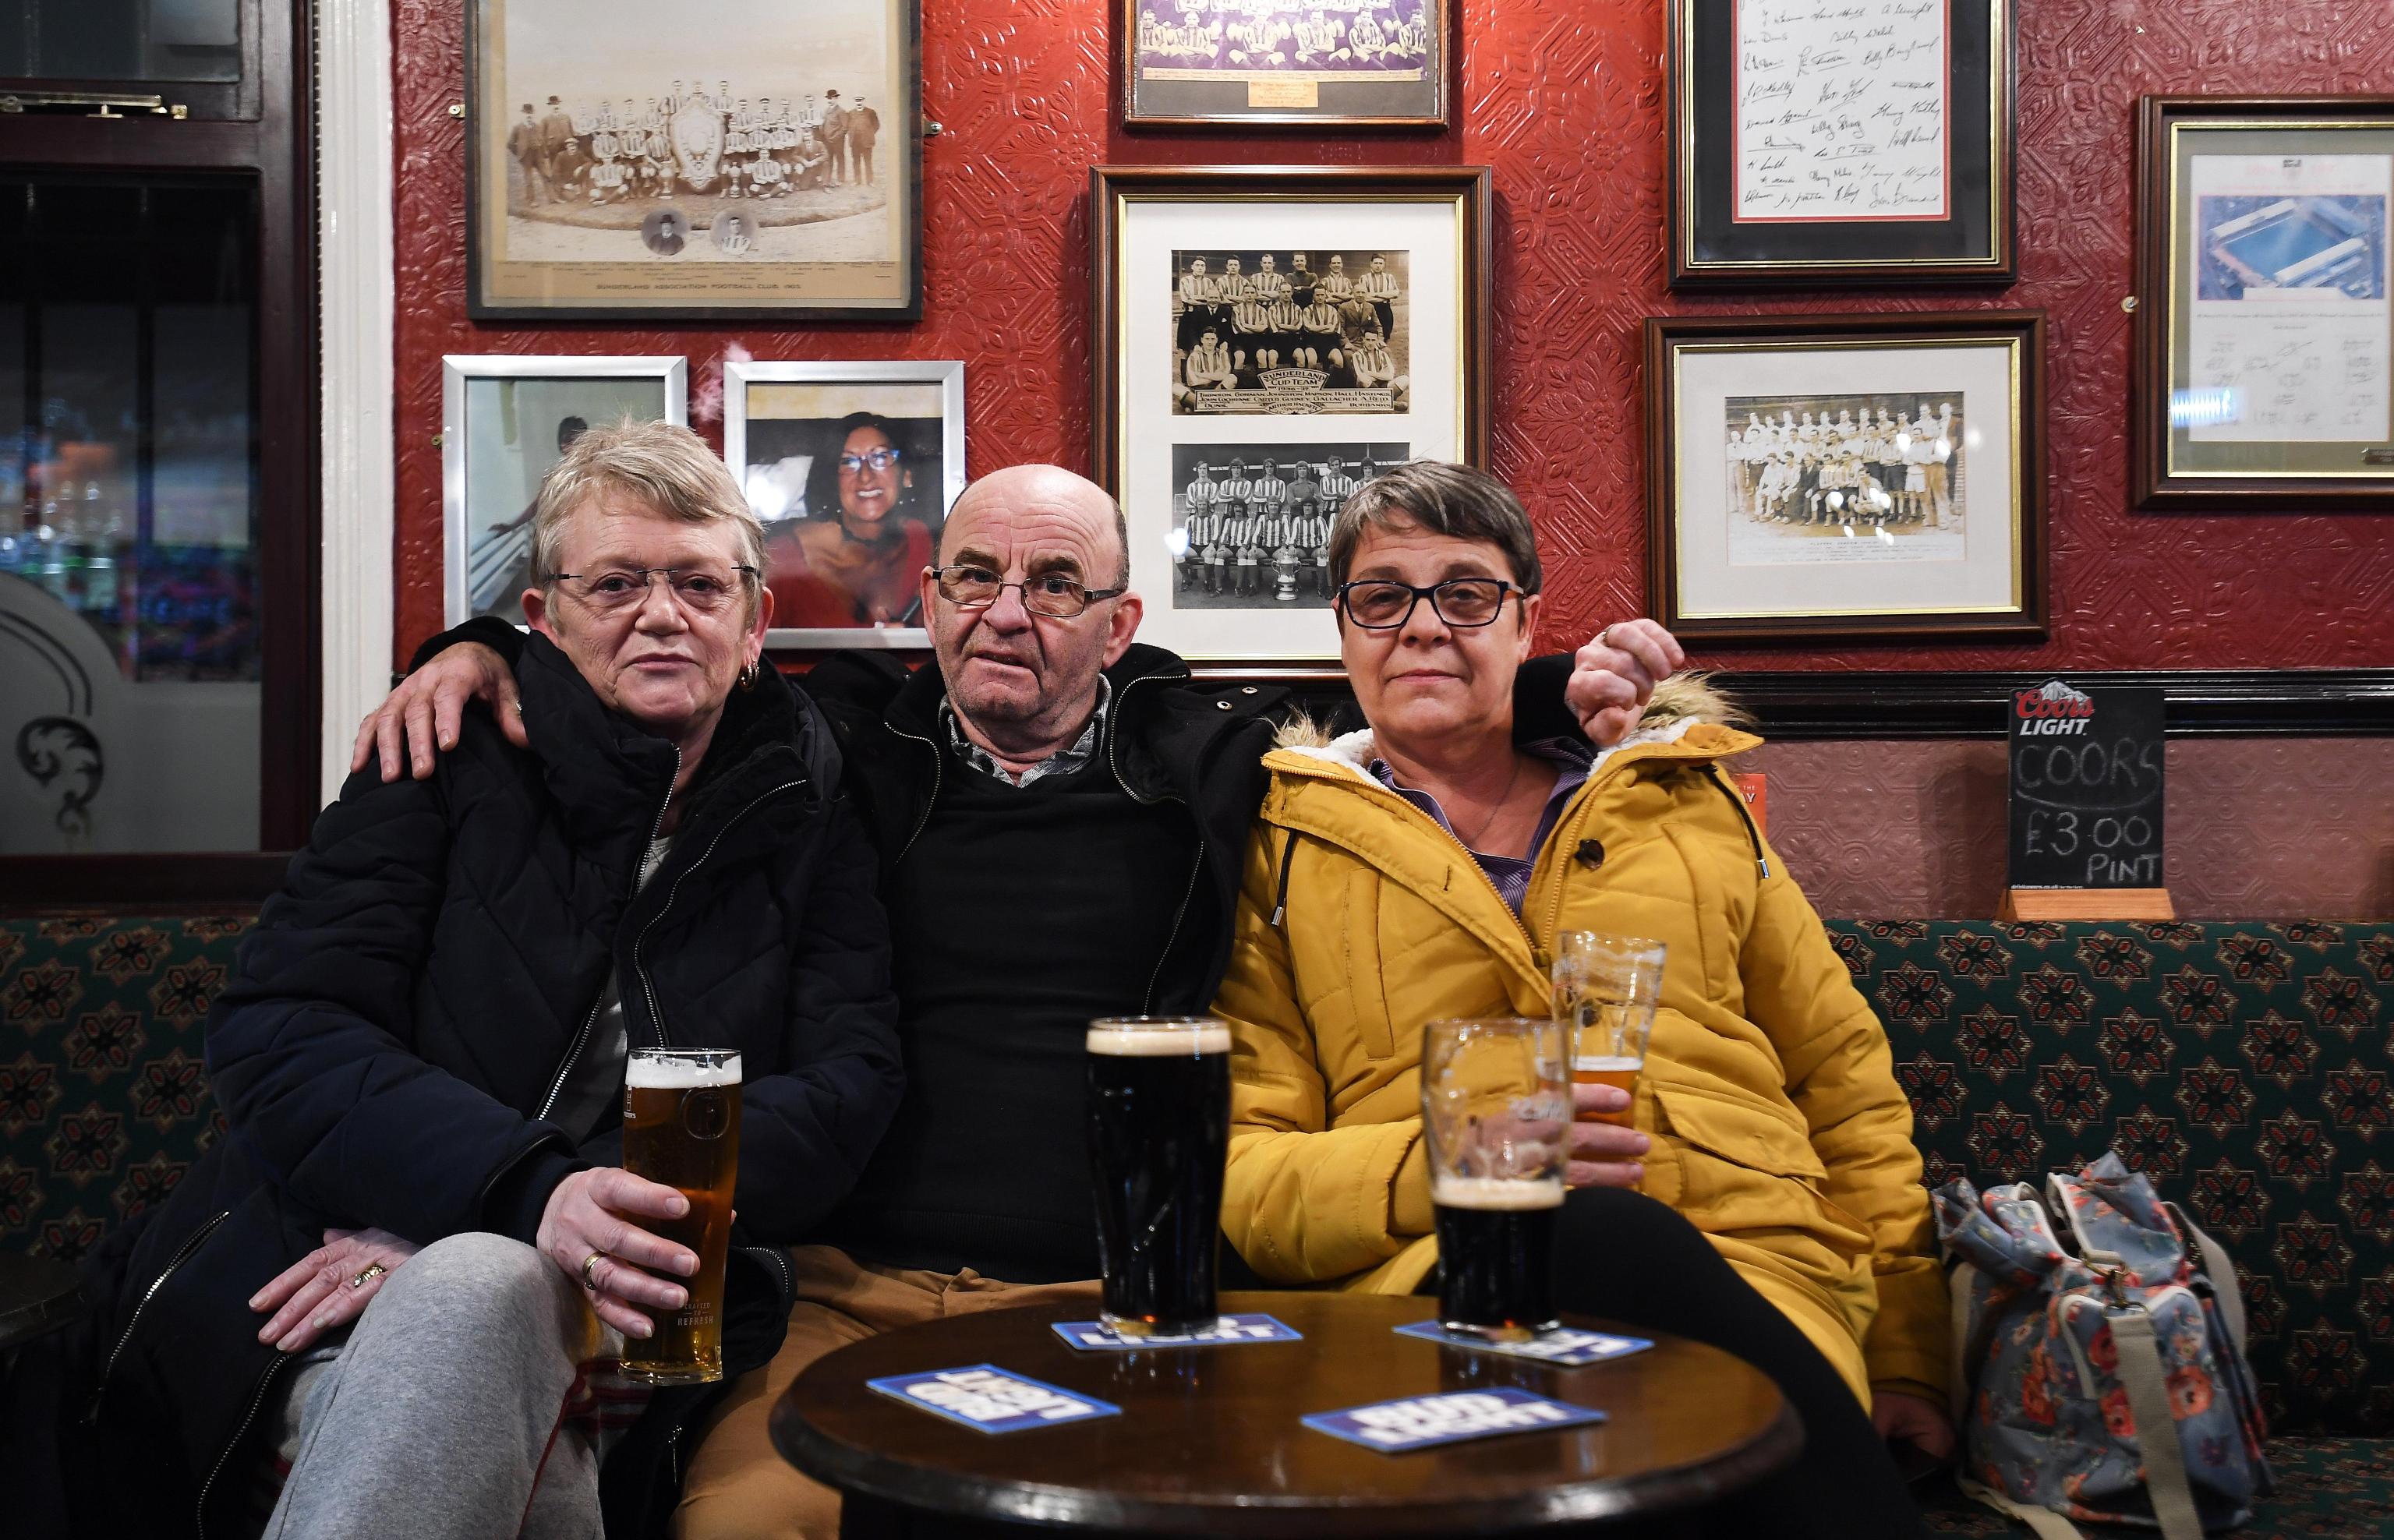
(330, 1286)
(1921, 1423)
(586, 1217)
(421, 715)
(1614, 676)
(1604, 1155)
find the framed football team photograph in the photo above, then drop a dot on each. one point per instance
(1819, 477)
(505, 420)
(2263, 372)
(851, 467)
(1266, 63)
(737, 159)
(1266, 337)
(1866, 142)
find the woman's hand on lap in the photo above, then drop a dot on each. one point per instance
(329, 1287)
(591, 1214)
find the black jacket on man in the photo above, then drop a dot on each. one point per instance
(407, 1006)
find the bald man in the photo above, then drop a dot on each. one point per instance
(1061, 816)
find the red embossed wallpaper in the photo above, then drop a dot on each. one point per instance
(1565, 99)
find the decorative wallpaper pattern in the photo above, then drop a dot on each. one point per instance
(1565, 99)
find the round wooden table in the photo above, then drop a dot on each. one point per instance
(1209, 1440)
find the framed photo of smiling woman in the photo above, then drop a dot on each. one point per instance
(852, 466)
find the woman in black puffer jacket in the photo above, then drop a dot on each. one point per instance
(418, 1201)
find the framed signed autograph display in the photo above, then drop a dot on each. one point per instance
(1266, 339)
(1329, 63)
(2264, 366)
(607, 181)
(1841, 142)
(1819, 477)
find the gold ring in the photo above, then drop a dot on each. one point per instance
(372, 1272)
(589, 1278)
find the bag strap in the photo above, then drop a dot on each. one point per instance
(2220, 1269)
(2140, 1374)
(2047, 1524)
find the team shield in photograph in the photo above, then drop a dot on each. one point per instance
(681, 1127)
(1606, 989)
(1159, 1136)
(1496, 1111)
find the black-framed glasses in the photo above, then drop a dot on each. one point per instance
(1378, 604)
(879, 459)
(969, 586)
(701, 589)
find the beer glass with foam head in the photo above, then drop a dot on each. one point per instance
(1159, 1136)
(681, 1127)
(1606, 989)
(1496, 1113)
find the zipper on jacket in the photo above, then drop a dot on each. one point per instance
(929, 802)
(648, 986)
(1753, 835)
(265, 1383)
(639, 865)
(1196, 870)
(1114, 741)
(182, 1255)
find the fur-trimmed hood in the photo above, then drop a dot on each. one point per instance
(1679, 704)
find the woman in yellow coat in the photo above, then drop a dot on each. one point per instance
(1420, 869)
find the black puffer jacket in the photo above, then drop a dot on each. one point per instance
(403, 1015)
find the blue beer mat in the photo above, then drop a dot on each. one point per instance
(1563, 1348)
(1423, 1422)
(990, 1400)
(1091, 1336)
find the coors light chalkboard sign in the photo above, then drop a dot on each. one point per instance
(2086, 787)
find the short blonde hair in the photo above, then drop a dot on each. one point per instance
(661, 467)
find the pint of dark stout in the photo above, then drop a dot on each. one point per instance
(1496, 1114)
(681, 1127)
(1159, 1135)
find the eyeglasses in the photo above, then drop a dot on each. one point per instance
(1461, 602)
(879, 459)
(1050, 594)
(701, 590)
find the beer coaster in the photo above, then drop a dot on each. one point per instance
(990, 1400)
(1424, 1422)
(1094, 1337)
(1563, 1348)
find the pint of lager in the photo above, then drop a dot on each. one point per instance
(681, 1127)
(1496, 1113)
(1159, 1136)
(1606, 990)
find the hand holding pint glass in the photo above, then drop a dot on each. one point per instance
(1159, 1136)
(1606, 989)
(681, 1128)
(1496, 1113)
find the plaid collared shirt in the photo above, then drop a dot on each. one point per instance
(1062, 762)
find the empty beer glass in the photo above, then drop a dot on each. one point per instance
(681, 1127)
(1496, 1113)
(1606, 989)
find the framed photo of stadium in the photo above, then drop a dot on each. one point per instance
(1265, 63)
(505, 420)
(851, 467)
(1266, 338)
(1826, 478)
(2263, 374)
(606, 181)
(1868, 142)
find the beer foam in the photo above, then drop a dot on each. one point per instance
(1595, 1065)
(1485, 1194)
(678, 1074)
(1194, 1037)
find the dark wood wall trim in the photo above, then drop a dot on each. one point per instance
(2326, 702)
(207, 883)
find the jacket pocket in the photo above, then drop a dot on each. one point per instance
(1742, 1167)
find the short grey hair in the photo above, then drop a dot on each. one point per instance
(1443, 499)
(663, 467)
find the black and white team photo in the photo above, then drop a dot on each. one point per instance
(1844, 478)
(1251, 523)
(1290, 332)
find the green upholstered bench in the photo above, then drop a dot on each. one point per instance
(2245, 1066)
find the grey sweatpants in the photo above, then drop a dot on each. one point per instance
(440, 1414)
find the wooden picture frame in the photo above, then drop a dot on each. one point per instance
(1279, 394)
(1769, 188)
(706, 203)
(2262, 374)
(1783, 533)
(1287, 63)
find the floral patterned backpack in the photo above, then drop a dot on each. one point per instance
(2068, 1362)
